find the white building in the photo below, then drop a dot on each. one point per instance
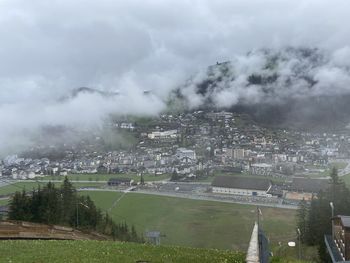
(171, 134)
(261, 169)
(241, 186)
(185, 153)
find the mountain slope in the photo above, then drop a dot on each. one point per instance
(292, 86)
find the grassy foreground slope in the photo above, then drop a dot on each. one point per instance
(107, 251)
(196, 223)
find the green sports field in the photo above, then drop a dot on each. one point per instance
(196, 223)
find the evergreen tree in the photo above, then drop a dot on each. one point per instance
(174, 176)
(302, 216)
(318, 219)
(68, 195)
(18, 209)
(62, 205)
(142, 180)
(134, 236)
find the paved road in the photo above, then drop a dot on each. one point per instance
(346, 170)
(341, 172)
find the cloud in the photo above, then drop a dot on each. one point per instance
(49, 48)
(273, 76)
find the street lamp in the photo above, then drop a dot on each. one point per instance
(332, 207)
(299, 241)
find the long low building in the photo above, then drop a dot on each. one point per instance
(241, 186)
(305, 188)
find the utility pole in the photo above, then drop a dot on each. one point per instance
(299, 243)
(77, 222)
(332, 207)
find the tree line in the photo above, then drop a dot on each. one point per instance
(63, 206)
(314, 218)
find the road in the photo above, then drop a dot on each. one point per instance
(341, 172)
(346, 170)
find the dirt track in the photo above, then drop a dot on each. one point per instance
(28, 230)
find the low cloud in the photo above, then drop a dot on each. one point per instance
(48, 49)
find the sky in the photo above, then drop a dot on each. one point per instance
(49, 48)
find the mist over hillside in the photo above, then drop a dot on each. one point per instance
(303, 87)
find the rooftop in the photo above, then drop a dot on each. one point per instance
(309, 185)
(345, 220)
(241, 183)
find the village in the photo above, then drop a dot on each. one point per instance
(203, 147)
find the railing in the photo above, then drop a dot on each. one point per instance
(253, 249)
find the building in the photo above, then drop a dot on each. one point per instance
(307, 185)
(241, 186)
(305, 188)
(238, 154)
(171, 134)
(261, 169)
(185, 153)
(119, 181)
(126, 125)
(342, 235)
(339, 246)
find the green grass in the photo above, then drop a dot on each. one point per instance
(28, 186)
(327, 171)
(339, 165)
(103, 200)
(106, 177)
(289, 254)
(346, 179)
(196, 223)
(4, 202)
(107, 251)
(12, 188)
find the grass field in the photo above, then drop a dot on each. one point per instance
(28, 186)
(196, 223)
(346, 179)
(327, 171)
(106, 177)
(285, 253)
(104, 251)
(4, 202)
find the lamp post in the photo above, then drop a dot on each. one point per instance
(332, 207)
(299, 242)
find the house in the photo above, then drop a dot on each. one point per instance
(261, 169)
(241, 186)
(342, 235)
(171, 134)
(338, 244)
(118, 181)
(182, 153)
(307, 185)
